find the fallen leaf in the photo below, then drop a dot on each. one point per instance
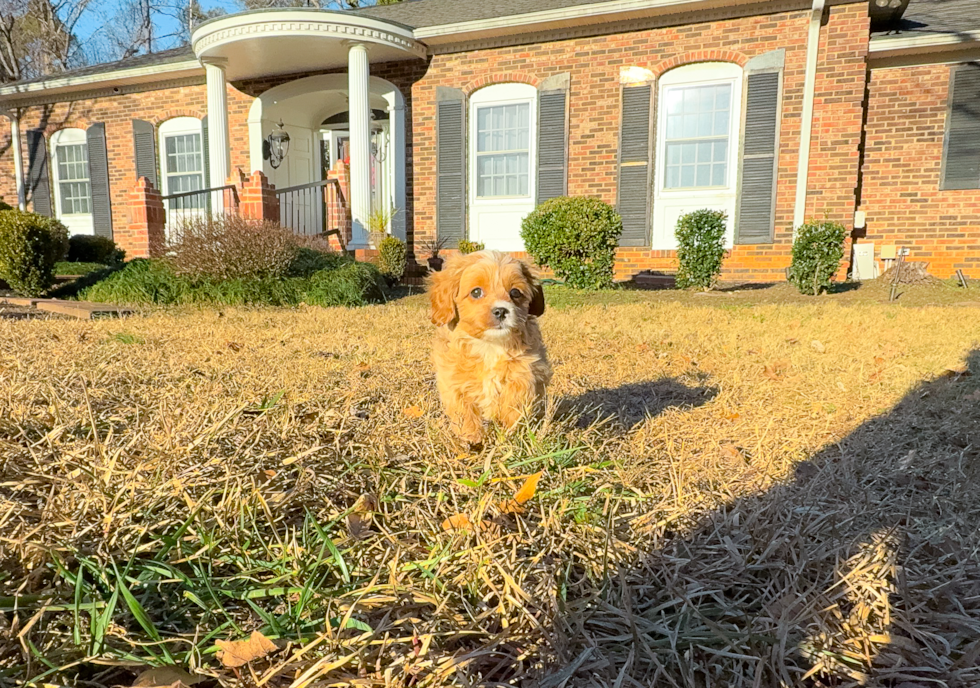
(235, 346)
(511, 507)
(957, 371)
(412, 412)
(165, 676)
(879, 361)
(642, 347)
(528, 490)
(818, 346)
(732, 416)
(457, 522)
(792, 340)
(359, 525)
(236, 653)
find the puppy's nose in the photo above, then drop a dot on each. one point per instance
(499, 313)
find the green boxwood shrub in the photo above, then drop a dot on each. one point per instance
(700, 248)
(576, 237)
(392, 258)
(85, 248)
(817, 252)
(466, 246)
(30, 245)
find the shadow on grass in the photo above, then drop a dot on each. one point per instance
(629, 405)
(71, 290)
(861, 570)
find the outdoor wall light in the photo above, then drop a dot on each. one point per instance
(276, 146)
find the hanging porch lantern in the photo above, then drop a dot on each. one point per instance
(276, 146)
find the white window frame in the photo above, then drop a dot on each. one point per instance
(77, 223)
(178, 126)
(495, 220)
(667, 201)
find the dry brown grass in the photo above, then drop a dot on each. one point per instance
(732, 496)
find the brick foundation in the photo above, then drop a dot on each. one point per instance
(143, 235)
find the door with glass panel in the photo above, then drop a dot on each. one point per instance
(697, 146)
(501, 164)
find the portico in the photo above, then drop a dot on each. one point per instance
(273, 43)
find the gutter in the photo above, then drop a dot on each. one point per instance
(806, 122)
(133, 75)
(923, 48)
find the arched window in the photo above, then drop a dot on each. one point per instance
(502, 137)
(181, 156)
(699, 110)
(73, 191)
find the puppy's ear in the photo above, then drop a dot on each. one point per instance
(442, 296)
(536, 307)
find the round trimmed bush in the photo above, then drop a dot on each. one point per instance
(30, 245)
(817, 252)
(576, 237)
(85, 248)
(700, 248)
(392, 258)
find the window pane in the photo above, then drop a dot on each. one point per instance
(502, 142)
(697, 135)
(718, 174)
(73, 183)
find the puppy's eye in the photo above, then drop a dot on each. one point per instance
(516, 294)
(477, 293)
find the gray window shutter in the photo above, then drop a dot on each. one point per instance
(145, 150)
(205, 153)
(961, 150)
(635, 146)
(553, 137)
(756, 208)
(450, 166)
(37, 172)
(98, 174)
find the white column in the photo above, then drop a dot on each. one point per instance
(18, 161)
(219, 155)
(806, 119)
(358, 93)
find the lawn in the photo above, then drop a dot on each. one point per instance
(738, 489)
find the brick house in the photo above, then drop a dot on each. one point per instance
(464, 114)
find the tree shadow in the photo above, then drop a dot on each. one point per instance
(862, 569)
(629, 405)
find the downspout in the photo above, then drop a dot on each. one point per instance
(18, 159)
(806, 122)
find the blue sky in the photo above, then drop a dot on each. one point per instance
(101, 12)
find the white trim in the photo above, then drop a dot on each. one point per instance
(120, 76)
(806, 117)
(18, 160)
(918, 41)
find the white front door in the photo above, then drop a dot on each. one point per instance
(502, 160)
(697, 146)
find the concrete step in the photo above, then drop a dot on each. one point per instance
(85, 310)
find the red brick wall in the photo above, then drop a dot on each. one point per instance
(594, 65)
(900, 183)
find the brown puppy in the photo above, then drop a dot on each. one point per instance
(490, 360)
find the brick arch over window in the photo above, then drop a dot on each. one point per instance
(699, 56)
(501, 78)
(172, 114)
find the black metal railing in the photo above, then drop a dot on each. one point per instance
(306, 208)
(193, 205)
